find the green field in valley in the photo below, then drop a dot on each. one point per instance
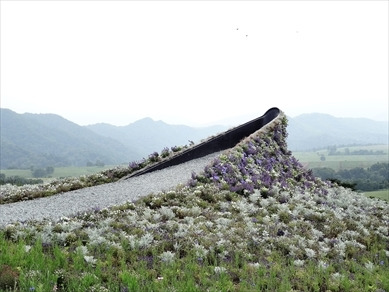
(71, 171)
(310, 159)
(313, 159)
(381, 194)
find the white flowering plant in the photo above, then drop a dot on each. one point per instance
(254, 220)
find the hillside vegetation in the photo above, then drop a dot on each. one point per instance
(254, 220)
(48, 140)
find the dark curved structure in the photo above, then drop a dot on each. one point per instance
(220, 142)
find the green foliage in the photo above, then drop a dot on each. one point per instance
(380, 194)
(332, 151)
(41, 140)
(8, 277)
(204, 238)
(18, 180)
(375, 177)
(39, 172)
(321, 159)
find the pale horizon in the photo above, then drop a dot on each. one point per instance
(194, 63)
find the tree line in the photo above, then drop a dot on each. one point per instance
(332, 150)
(375, 177)
(18, 180)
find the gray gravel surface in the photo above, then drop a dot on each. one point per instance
(102, 196)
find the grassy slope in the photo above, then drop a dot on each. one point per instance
(255, 220)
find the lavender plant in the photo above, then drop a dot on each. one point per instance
(254, 220)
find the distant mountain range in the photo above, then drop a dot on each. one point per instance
(42, 140)
(317, 131)
(146, 135)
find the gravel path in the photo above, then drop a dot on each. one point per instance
(102, 196)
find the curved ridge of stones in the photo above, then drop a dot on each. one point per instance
(223, 141)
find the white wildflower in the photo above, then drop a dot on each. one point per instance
(293, 250)
(195, 211)
(340, 248)
(317, 233)
(219, 270)
(167, 257)
(224, 206)
(189, 220)
(266, 219)
(116, 245)
(223, 255)
(265, 203)
(298, 263)
(322, 265)
(146, 240)
(182, 231)
(209, 224)
(223, 222)
(90, 260)
(383, 230)
(157, 217)
(132, 241)
(336, 276)
(176, 246)
(255, 196)
(369, 266)
(166, 213)
(106, 222)
(82, 249)
(95, 236)
(254, 265)
(27, 248)
(310, 253)
(323, 249)
(201, 251)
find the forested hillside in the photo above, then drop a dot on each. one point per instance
(42, 140)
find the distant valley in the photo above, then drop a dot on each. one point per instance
(42, 140)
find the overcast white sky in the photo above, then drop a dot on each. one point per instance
(194, 62)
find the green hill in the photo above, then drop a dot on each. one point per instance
(42, 140)
(146, 135)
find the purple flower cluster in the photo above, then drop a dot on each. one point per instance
(261, 161)
(154, 157)
(165, 152)
(134, 165)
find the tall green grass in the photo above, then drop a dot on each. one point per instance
(298, 235)
(47, 268)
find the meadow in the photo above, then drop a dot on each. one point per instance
(312, 159)
(254, 220)
(69, 171)
(380, 194)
